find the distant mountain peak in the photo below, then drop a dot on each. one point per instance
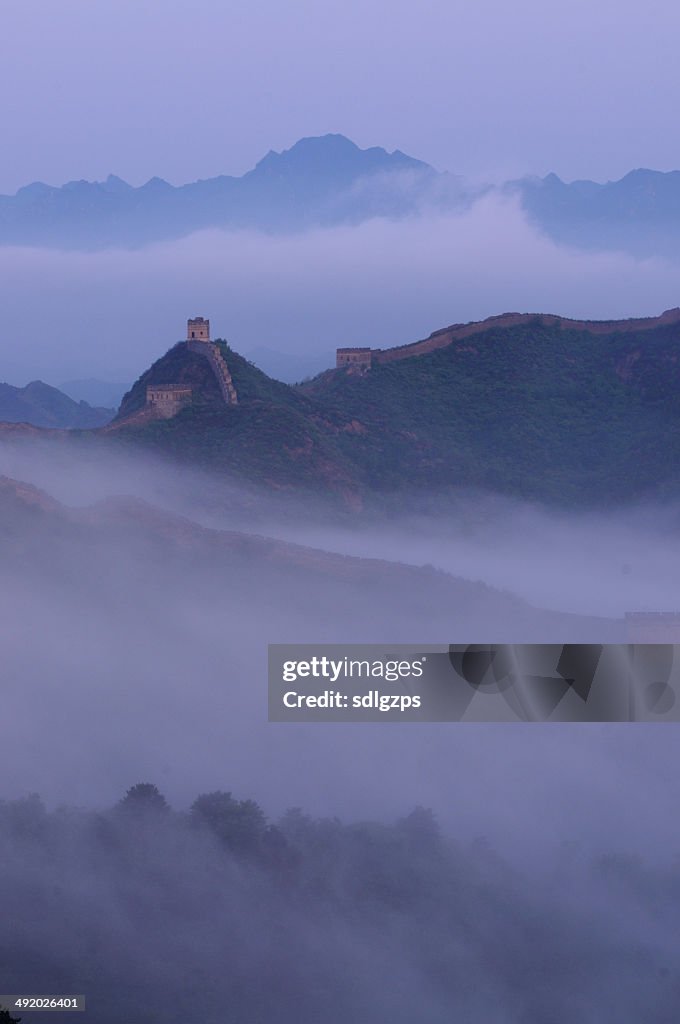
(333, 153)
(313, 144)
(157, 184)
(115, 184)
(330, 139)
(34, 190)
(43, 405)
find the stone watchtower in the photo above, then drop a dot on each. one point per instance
(166, 400)
(198, 329)
(353, 358)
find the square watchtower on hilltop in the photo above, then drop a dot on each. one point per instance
(198, 329)
(353, 357)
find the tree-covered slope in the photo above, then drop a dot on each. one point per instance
(275, 435)
(532, 410)
(537, 409)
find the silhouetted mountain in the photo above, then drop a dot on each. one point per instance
(330, 160)
(573, 412)
(325, 180)
(328, 180)
(45, 406)
(639, 214)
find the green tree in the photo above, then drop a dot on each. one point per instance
(239, 824)
(144, 796)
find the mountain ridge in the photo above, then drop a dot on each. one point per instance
(638, 213)
(42, 405)
(445, 336)
(530, 405)
(313, 182)
(327, 180)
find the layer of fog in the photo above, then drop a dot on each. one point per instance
(595, 563)
(126, 658)
(110, 314)
(600, 563)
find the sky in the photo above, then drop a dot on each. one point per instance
(482, 88)
(110, 314)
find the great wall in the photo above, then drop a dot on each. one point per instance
(166, 401)
(361, 359)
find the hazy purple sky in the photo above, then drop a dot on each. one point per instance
(481, 87)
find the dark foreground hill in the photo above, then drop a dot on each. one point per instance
(45, 406)
(539, 407)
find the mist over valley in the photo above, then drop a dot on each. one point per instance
(336, 324)
(147, 564)
(137, 603)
